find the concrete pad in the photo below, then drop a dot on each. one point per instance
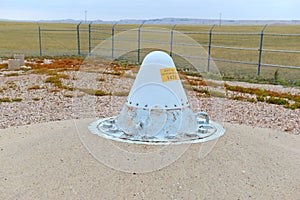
(13, 64)
(49, 161)
(21, 57)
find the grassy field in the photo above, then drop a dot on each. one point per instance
(22, 37)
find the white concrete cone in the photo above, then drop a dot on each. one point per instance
(157, 104)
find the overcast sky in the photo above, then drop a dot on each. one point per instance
(149, 9)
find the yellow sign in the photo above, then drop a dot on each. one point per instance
(169, 74)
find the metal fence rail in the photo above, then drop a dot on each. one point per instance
(211, 40)
(210, 46)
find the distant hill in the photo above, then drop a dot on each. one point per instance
(187, 21)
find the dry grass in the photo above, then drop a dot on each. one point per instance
(69, 95)
(5, 99)
(36, 98)
(94, 92)
(54, 90)
(291, 101)
(34, 87)
(192, 81)
(263, 93)
(17, 100)
(8, 100)
(54, 80)
(21, 37)
(115, 73)
(11, 74)
(101, 79)
(121, 93)
(199, 85)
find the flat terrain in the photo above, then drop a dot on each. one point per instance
(47, 151)
(49, 161)
(61, 39)
(75, 88)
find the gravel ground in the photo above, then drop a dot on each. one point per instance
(49, 104)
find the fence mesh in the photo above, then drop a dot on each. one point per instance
(238, 51)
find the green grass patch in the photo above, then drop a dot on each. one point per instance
(208, 93)
(50, 72)
(115, 73)
(251, 100)
(94, 92)
(34, 87)
(43, 70)
(201, 90)
(5, 99)
(260, 98)
(69, 95)
(267, 96)
(54, 90)
(191, 73)
(121, 93)
(100, 79)
(256, 91)
(12, 74)
(17, 99)
(68, 88)
(238, 98)
(36, 99)
(54, 80)
(277, 101)
(63, 76)
(294, 106)
(263, 93)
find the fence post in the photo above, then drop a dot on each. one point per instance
(209, 47)
(78, 38)
(139, 41)
(260, 49)
(113, 40)
(89, 40)
(40, 39)
(171, 42)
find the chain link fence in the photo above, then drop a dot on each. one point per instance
(239, 51)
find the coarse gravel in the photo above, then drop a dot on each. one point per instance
(50, 104)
